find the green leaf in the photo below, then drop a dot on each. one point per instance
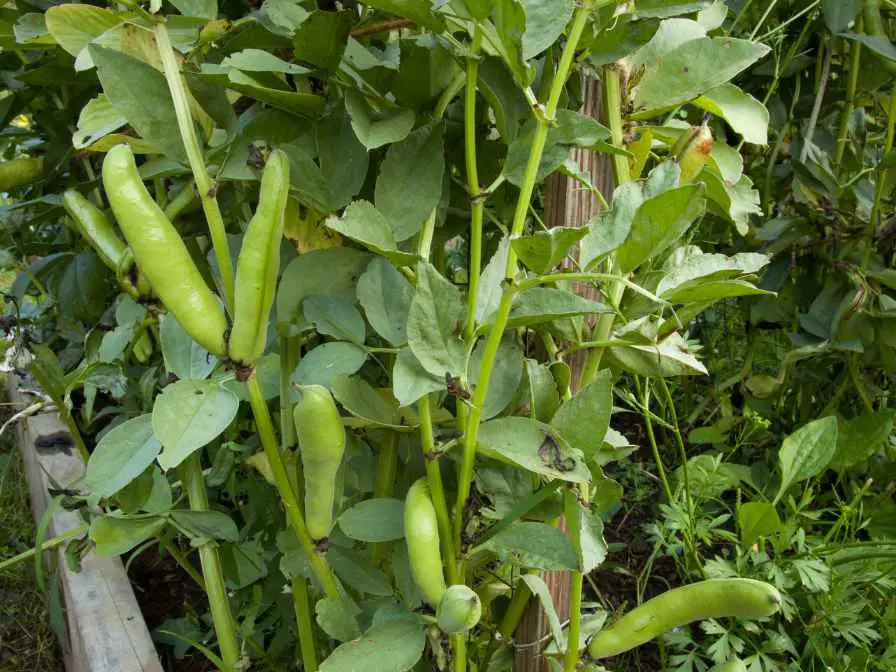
(390, 646)
(658, 223)
(140, 93)
(243, 563)
(377, 128)
(859, 438)
(509, 20)
(668, 358)
(321, 38)
(115, 536)
(122, 455)
(374, 520)
(366, 225)
(736, 202)
(583, 420)
(806, 452)
(205, 9)
(326, 361)
(528, 444)
(572, 129)
(335, 316)
(537, 305)
(73, 26)
(336, 619)
(330, 272)
(410, 381)
(622, 38)
(188, 415)
(755, 520)
(409, 186)
(505, 379)
(435, 322)
(83, 287)
(362, 401)
(691, 265)
(205, 525)
(488, 296)
(273, 91)
(545, 21)
(694, 67)
(98, 118)
(594, 547)
(879, 45)
(358, 573)
(183, 356)
(746, 115)
(385, 294)
(419, 11)
(608, 230)
(544, 397)
(534, 545)
(256, 60)
(543, 250)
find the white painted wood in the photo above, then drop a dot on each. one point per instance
(106, 631)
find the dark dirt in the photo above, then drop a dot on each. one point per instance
(163, 589)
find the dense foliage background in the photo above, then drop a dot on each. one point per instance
(744, 342)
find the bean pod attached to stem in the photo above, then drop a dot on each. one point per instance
(421, 532)
(259, 263)
(161, 254)
(322, 442)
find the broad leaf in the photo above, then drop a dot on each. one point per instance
(435, 323)
(322, 364)
(385, 295)
(390, 646)
(534, 545)
(528, 444)
(374, 520)
(806, 452)
(583, 420)
(122, 455)
(364, 224)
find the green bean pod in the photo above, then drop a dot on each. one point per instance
(421, 533)
(161, 254)
(17, 173)
(459, 610)
(714, 598)
(259, 263)
(322, 442)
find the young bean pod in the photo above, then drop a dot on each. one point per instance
(322, 443)
(161, 254)
(459, 610)
(18, 173)
(421, 533)
(259, 263)
(714, 598)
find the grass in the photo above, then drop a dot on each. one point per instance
(27, 641)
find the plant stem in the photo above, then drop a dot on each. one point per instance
(819, 98)
(855, 56)
(287, 495)
(181, 201)
(218, 601)
(477, 204)
(172, 550)
(204, 183)
(448, 95)
(496, 333)
(612, 95)
(46, 546)
(573, 515)
(645, 403)
(289, 359)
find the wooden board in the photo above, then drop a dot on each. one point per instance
(106, 630)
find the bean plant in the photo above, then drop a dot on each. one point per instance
(288, 272)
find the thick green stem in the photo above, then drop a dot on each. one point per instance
(289, 359)
(218, 601)
(855, 56)
(204, 183)
(573, 515)
(496, 333)
(268, 439)
(477, 203)
(181, 201)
